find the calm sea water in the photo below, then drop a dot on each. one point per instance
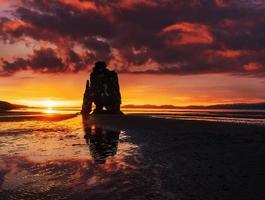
(73, 159)
(219, 115)
(216, 115)
(64, 160)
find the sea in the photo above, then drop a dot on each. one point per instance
(245, 116)
(66, 159)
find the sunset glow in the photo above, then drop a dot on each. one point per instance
(49, 103)
(132, 99)
(57, 91)
(49, 111)
(176, 58)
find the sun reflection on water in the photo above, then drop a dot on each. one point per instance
(49, 111)
(70, 159)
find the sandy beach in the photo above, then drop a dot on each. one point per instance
(197, 159)
(131, 157)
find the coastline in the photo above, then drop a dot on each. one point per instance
(31, 116)
(157, 158)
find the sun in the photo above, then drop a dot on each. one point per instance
(48, 104)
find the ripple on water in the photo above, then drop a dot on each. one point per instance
(64, 160)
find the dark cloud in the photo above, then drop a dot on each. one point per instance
(162, 37)
(44, 60)
(101, 49)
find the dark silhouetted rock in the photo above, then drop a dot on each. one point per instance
(103, 90)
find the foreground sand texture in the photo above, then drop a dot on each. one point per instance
(155, 159)
(200, 160)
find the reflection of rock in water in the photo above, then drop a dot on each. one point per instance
(102, 142)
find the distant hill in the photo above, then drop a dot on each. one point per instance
(151, 106)
(254, 106)
(247, 106)
(8, 106)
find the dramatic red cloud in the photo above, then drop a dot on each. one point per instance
(131, 4)
(252, 67)
(166, 37)
(229, 53)
(81, 5)
(5, 2)
(187, 33)
(12, 26)
(220, 3)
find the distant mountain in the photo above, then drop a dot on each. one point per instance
(8, 106)
(151, 106)
(247, 106)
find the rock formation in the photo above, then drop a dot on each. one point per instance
(103, 90)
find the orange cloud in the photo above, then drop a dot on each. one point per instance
(229, 53)
(252, 66)
(84, 5)
(14, 25)
(5, 2)
(220, 3)
(189, 33)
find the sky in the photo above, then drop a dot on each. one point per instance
(179, 52)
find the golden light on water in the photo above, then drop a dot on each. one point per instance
(49, 104)
(49, 110)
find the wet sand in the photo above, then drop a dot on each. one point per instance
(198, 159)
(39, 116)
(131, 157)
